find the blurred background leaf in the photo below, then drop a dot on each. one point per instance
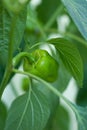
(49, 7)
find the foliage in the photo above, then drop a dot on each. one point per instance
(3, 114)
(24, 30)
(33, 109)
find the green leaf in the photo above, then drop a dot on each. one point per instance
(28, 112)
(59, 119)
(3, 114)
(78, 11)
(5, 26)
(20, 27)
(63, 76)
(81, 115)
(5, 32)
(81, 98)
(70, 57)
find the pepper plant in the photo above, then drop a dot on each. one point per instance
(24, 31)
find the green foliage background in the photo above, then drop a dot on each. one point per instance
(27, 30)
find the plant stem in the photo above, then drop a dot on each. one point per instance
(36, 45)
(20, 56)
(10, 55)
(53, 17)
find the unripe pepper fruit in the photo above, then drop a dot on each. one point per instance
(44, 65)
